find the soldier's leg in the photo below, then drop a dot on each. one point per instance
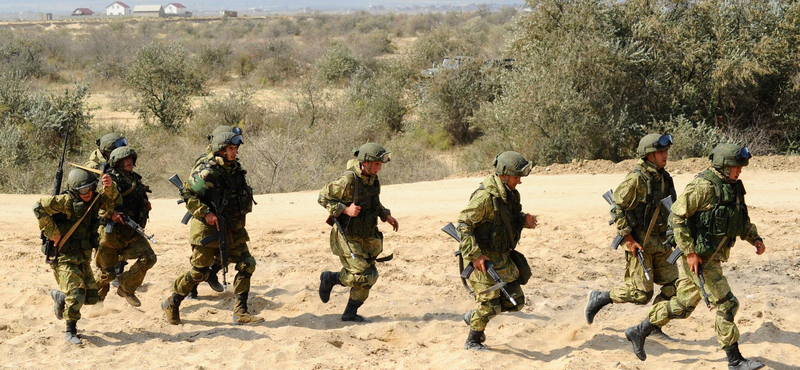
(202, 257)
(70, 282)
(106, 259)
(515, 290)
(664, 274)
(132, 279)
(360, 275)
(490, 305)
(245, 266)
(636, 289)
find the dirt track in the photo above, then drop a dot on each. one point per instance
(418, 302)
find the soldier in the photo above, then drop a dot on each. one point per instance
(706, 219)
(637, 206)
(123, 241)
(70, 220)
(490, 228)
(217, 173)
(354, 200)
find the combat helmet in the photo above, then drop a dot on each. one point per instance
(80, 181)
(652, 143)
(511, 163)
(224, 128)
(372, 152)
(109, 142)
(729, 155)
(222, 139)
(121, 153)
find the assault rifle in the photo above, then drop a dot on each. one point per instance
(702, 280)
(50, 249)
(218, 206)
(608, 196)
(464, 273)
(176, 180)
(128, 221)
(334, 220)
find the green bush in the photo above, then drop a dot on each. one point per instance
(337, 63)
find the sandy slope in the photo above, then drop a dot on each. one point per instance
(418, 302)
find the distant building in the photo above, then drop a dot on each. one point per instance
(148, 11)
(44, 16)
(118, 8)
(228, 13)
(82, 12)
(175, 8)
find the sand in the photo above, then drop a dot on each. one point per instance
(418, 302)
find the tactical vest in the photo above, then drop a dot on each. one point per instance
(133, 193)
(503, 233)
(727, 218)
(238, 194)
(641, 215)
(366, 197)
(81, 239)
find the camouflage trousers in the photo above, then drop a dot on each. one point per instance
(202, 259)
(112, 251)
(684, 302)
(637, 289)
(76, 281)
(360, 274)
(494, 302)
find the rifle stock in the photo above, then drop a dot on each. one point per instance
(50, 248)
(176, 181)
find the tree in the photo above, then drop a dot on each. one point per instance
(163, 77)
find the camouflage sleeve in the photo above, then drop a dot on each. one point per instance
(628, 195)
(48, 206)
(334, 195)
(202, 180)
(697, 197)
(383, 211)
(108, 199)
(478, 210)
(751, 233)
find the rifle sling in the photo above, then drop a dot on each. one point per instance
(75, 226)
(126, 192)
(655, 216)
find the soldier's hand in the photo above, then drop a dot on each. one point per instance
(106, 180)
(392, 221)
(56, 239)
(693, 260)
(479, 263)
(116, 217)
(632, 244)
(148, 206)
(530, 221)
(211, 219)
(760, 247)
(352, 210)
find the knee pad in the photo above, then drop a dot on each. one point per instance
(668, 290)
(197, 274)
(497, 306)
(244, 274)
(92, 296)
(681, 312)
(79, 295)
(727, 307)
(247, 265)
(149, 261)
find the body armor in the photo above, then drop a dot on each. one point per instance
(84, 235)
(728, 217)
(134, 200)
(503, 232)
(640, 216)
(366, 197)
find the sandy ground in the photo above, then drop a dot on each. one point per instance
(418, 302)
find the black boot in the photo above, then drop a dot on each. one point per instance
(327, 280)
(350, 311)
(72, 333)
(60, 303)
(171, 307)
(474, 341)
(660, 334)
(213, 280)
(596, 301)
(636, 335)
(737, 362)
(240, 313)
(193, 293)
(467, 318)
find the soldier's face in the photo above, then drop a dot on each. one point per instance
(659, 158)
(127, 164)
(371, 168)
(513, 181)
(86, 197)
(735, 172)
(231, 152)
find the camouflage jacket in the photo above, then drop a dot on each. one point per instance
(336, 195)
(209, 174)
(96, 159)
(635, 195)
(58, 214)
(132, 200)
(700, 196)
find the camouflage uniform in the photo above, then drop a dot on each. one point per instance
(72, 269)
(478, 226)
(124, 242)
(362, 232)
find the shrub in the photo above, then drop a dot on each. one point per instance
(337, 63)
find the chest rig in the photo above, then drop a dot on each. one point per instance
(502, 233)
(236, 192)
(81, 239)
(134, 195)
(728, 217)
(366, 197)
(640, 216)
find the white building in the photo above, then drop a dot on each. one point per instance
(175, 8)
(118, 8)
(148, 11)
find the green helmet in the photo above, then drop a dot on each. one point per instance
(511, 163)
(109, 142)
(121, 153)
(729, 155)
(224, 128)
(222, 139)
(652, 143)
(372, 152)
(80, 180)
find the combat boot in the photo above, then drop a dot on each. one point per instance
(240, 314)
(193, 293)
(72, 333)
(596, 301)
(636, 335)
(737, 362)
(171, 307)
(473, 341)
(660, 334)
(60, 303)
(467, 318)
(327, 280)
(213, 280)
(129, 297)
(350, 312)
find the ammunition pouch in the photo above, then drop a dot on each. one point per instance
(521, 262)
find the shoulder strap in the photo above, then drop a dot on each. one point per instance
(714, 180)
(75, 226)
(646, 179)
(355, 185)
(126, 192)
